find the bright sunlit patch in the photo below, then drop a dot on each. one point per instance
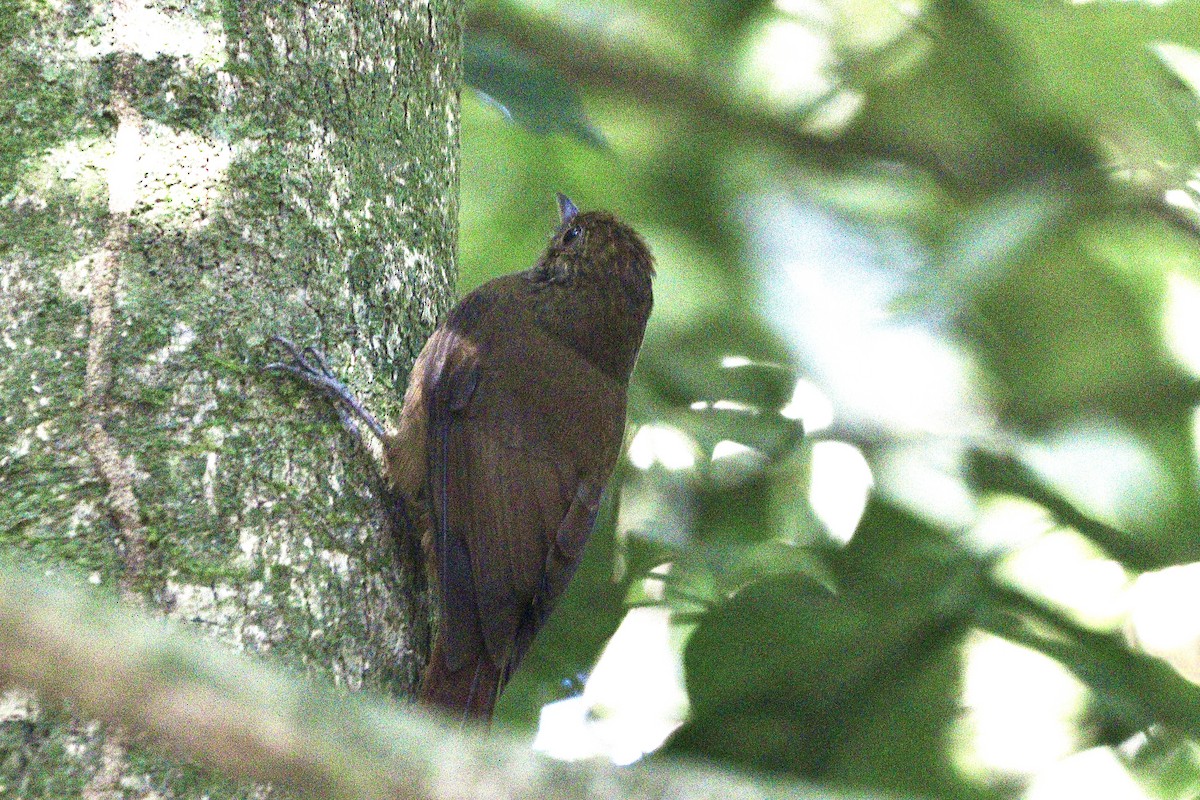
(124, 171)
(1096, 774)
(1066, 569)
(1006, 522)
(916, 374)
(785, 63)
(733, 405)
(804, 9)
(182, 337)
(863, 26)
(1181, 320)
(1183, 61)
(1163, 620)
(830, 287)
(1022, 710)
(664, 445)
(733, 462)
(1103, 467)
(150, 32)
(810, 405)
(633, 700)
(1182, 199)
(564, 731)
(925, 475)
(733, 362)
(730, 449)
(838, 488)
(836, 112)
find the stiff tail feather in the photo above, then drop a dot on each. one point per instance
(470, 692)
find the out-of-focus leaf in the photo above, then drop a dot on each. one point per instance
(724, 384)
(992, 90)
(858, 687)
(984, 238)
(768, 433)
(1118, 98)
(737, 360)
(1066, 330)
(526, 91)
(1138, 689)
(1074, 329)
(992, 472)
(727, 16)
(757, 561)
(1169, 536)
(737, 513)
(790, 677)
(893, 554)
(708, 573)
(712, 396)
(1167, 765)
(1143, 243)
(923, 101)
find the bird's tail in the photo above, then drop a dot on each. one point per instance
(469, 692)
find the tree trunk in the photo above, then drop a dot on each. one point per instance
(178, 182)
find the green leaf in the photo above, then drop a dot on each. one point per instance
(523, 89)
(1168, 766)
(922, 102)
(789, 677)
(1137, 689)
(723, 380)
(856, 687)
(1092, 71)
(983, 92)
(1075, 323)
(992, 472)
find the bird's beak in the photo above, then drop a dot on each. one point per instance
(566, 209)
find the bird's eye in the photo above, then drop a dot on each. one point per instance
(571, 235)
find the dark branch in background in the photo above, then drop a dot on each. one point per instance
(589, 59)
(244, 720)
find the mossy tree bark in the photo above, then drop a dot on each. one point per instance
(178, 182)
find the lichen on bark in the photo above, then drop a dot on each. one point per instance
(295, 174)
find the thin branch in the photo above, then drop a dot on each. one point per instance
(115, 470)
(582, 48)
(594, 59)
(245, 720)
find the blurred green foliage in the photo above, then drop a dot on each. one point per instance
(522, 89)
(971, 228)
(974, 227)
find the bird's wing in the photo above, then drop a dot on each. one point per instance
(505, 508)
(511, 515)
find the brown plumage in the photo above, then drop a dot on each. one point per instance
(511, 426)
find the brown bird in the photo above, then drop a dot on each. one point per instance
(511, 426)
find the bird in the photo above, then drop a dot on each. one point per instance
(510, 429)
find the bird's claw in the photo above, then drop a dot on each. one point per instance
(302, 364)
(310, 366)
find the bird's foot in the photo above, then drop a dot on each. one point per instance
(310, 366)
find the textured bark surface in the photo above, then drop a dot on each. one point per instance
(179, 181)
